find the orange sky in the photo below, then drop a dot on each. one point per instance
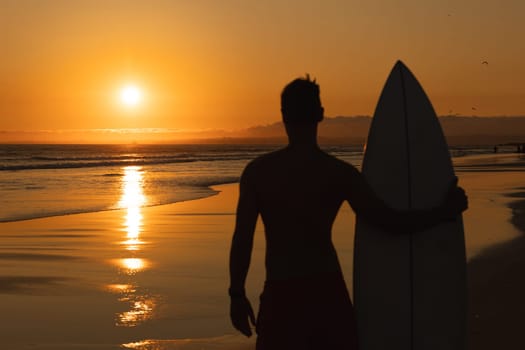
(222, 64)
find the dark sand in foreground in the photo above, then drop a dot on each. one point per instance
(497, 290)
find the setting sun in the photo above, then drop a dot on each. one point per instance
(130, 95)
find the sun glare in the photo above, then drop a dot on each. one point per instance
(130, 95)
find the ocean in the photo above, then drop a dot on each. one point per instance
(50, 180)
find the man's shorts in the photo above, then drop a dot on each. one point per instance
(306, 313)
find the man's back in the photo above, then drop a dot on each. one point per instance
(298, 194)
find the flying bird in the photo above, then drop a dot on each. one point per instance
(485, 62)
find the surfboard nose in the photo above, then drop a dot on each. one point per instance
(399, 65)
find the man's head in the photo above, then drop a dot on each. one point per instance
(300, 102)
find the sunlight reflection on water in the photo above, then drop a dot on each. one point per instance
(140, 304)
(132, 199)
(131, 266)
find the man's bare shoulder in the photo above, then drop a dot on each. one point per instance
(266, 160)
(282, 159)
(263, 163)
(339, 164)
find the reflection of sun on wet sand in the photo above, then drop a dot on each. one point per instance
(73, 280)
(228, 342)
(132, 200)
(141, 305)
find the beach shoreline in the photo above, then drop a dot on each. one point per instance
(169, 282)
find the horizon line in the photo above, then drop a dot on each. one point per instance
(157, 130)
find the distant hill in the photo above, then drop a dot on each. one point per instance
(458, 130)
(483, 130)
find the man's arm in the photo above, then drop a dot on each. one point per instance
(242, 242)
(369, 207)
(240, 253)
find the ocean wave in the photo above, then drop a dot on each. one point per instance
(111, 162)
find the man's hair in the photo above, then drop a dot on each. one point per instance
(300, 101)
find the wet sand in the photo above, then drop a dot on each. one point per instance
(497, 289)
(107, 281)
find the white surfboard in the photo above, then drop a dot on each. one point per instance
(409, 290)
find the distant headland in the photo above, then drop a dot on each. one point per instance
(342, 130)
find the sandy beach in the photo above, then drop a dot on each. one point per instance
(496, 288)
(156, 277)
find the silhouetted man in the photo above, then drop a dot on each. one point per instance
(298, 191)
